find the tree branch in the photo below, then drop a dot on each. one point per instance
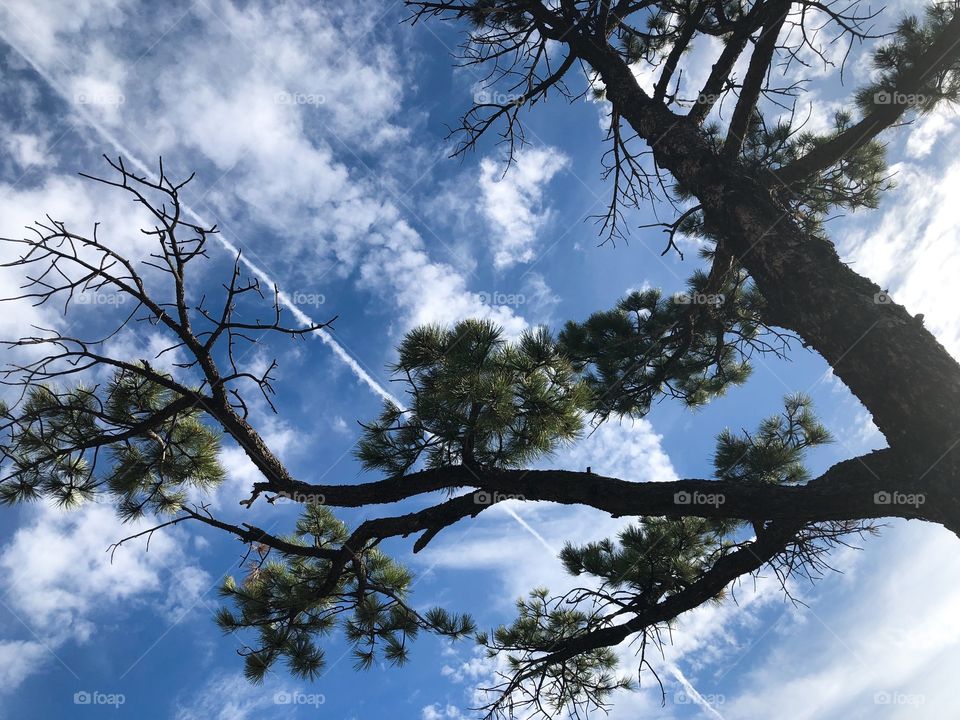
(944, 52)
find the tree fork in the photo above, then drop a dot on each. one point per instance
(896, 367)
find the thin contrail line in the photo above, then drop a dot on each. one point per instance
(257, 271)
(526, 526)
(692, 693)
(261, 274)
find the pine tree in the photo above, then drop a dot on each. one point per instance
(752, 186)
(475, 399)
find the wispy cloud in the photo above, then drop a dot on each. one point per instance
(515, 203)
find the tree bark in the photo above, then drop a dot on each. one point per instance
(897, 368)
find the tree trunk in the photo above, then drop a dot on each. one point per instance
(897, 368)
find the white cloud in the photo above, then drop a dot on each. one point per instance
(539, 299)
(79, 204)
(910, 246)
(241, 111)
(400, 270)
(700, 56)
(865, 649)
(233, 697)
(98, 83)
(514, 204)
(186, 588)
(929, 129)
(626, 449)
(19, 659)
(27, 150)
(472, 669)
(49, 27)
(438, 712)
(60, 578)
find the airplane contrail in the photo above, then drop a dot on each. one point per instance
(692, 693)
(338, 350)
(526, 526)
(301, 317)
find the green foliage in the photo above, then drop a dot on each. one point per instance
(542, 624)
(39, 463)
(855, 181)
(774, 454)
(646, 563)
(290, 602)
(476, 398)
(496, 15)
(649, 45)
(658, 558)
(687, 346)
(651, 37)
(57, 444)
(898, 56)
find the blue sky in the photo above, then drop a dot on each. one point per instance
(317, 132)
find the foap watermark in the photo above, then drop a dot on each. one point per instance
(100, 298)
(699, 298)
(482, 497)
(682, 697)
(698, 498)
(708, 99)
(898, 698)
(893, 497)
(502, 298)
(898, 98)
(305, 298)
(300, 498)
(95, 697)
(299, 698)
(299, 98)
(105, 99)
(494, 97)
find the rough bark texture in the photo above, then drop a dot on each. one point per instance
(897, 368)
(844, 491)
